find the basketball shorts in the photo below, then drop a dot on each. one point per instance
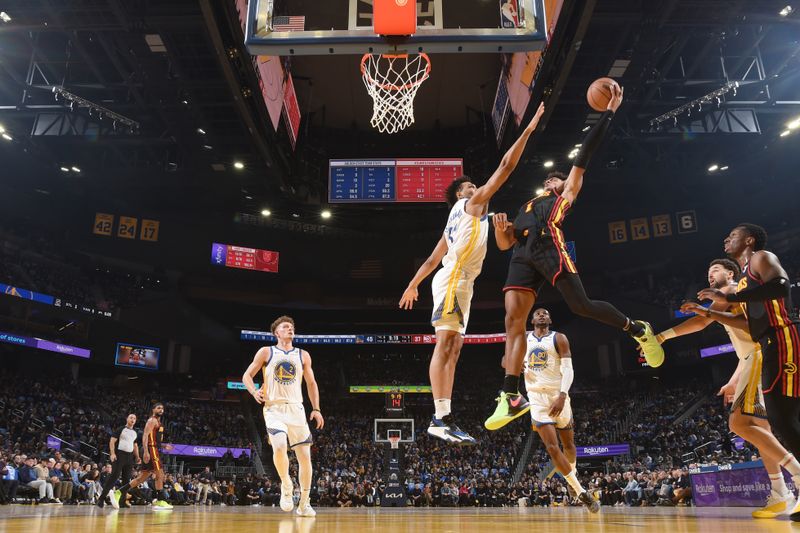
(749, 396)
(781, 349)
(540, 410)
(288, 419)
(154, 465)
(534, 264)
(452, 296)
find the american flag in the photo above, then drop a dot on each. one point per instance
(290, 23)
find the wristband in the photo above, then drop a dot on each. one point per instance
(317, 410)
(668, 334)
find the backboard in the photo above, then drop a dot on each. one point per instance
(314, 27)
(386, 427)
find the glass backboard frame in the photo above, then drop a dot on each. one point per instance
(384, 425)
(260, 40)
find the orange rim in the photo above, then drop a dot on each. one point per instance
(392, 87)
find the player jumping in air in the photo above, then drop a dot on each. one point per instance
(540, 256)
(461, 250)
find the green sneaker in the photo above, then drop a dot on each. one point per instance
(161, 505)
(509, 407)
(651, 349)
(114, 497)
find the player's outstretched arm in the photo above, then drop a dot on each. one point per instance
(696, 323)
(247, 378)
(503, 231)
(313, 390)
(593, 140)
(411, 293)
(477, 204)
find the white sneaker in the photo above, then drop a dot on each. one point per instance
(113, 496)
(306, 510)
(287, 501)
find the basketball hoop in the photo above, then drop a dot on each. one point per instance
(392, 80)
(394, 441)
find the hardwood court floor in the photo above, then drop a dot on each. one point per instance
(32, 519)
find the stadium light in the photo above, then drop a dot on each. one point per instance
(238, 164)
(75, 169)
(724, 168)
(326, 214)
(7, 137)
(548, 164)
(713, 168)
(786, 11)
(491, 214)
(5, 17)
(784, 133)
(539, 191)
(265, 212)
(64, 169)
(201, 131)
(793, 125)
(2, 129)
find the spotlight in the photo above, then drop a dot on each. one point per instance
(724, 168)
(5, 17)
(548, 164)
(713, 168)
(491, 214)
(207, 147)
(326, 214)
(185, 102)
(201, 131)
(539, 191)
(75, 169)
(793, 125)
(784, 133)
(265, 212)
(296, 215)
(2, 129)
(238, 164)
(587, 128)
(785, 12)
(7, 137)
(64, 169)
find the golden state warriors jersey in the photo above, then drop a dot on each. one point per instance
(542, 366)
(742, 343)
(283, 376)
(466, 238)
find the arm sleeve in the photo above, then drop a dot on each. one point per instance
(567, 373)
(771, 290)
(593, 140)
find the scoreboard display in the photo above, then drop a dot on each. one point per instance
(245, 258)
(391, 180)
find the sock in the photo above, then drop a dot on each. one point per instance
(778, 483)
(572, 479)
(304, 496)
(511, 384)
(634, 328)
(574, 467)
(790, 464)
(442, 406)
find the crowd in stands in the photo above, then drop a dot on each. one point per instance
(34, 261)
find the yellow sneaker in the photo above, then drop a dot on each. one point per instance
(651, 349)
(777, 504)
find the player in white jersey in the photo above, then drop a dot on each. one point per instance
(461, 250)
(748, 417)
(548, 374)
(283, 368)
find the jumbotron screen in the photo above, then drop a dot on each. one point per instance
(391, 180)
(135, 356)
(232, 256)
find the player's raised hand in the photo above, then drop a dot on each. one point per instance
(715, 295)
(410, 296)
(692, 307)
(500, 221)
(316, 416)
(616, 97)
(535, 120)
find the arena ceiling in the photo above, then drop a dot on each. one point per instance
(177, 69)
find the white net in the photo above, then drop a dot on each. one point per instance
(392, 81)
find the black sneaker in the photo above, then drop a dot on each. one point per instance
(589, 501)
(447, 430)
(101, 503)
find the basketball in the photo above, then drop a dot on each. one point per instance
(598, 94)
